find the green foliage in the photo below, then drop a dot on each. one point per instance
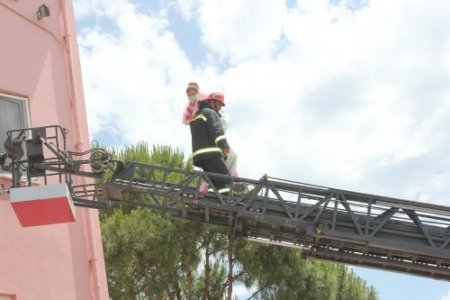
(149, 255)
(280, 273)
(160, 155)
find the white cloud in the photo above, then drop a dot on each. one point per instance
(241, 30)
(186, 8)
(446, 297)
(364, 92)
(320, 93)
(97, 8)
(129, 76)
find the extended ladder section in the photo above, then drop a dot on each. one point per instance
(326, 223)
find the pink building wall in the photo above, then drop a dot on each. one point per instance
(39, 61)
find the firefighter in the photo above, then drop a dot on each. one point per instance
(209, 144)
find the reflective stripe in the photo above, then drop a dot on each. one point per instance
(224, 190)
(207, 150)
(200, 116)
(219, 138)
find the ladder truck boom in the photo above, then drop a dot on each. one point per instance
(326, 223)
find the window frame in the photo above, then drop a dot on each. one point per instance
(24, 115)
(8, 296)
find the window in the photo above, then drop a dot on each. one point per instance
(13, 115)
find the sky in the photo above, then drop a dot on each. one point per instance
(352, 94)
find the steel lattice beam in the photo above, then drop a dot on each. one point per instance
(327, 223)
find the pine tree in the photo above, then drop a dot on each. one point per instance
(150, 255)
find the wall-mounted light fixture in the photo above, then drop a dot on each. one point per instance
(43, 11)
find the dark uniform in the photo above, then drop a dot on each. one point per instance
(208, 140)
